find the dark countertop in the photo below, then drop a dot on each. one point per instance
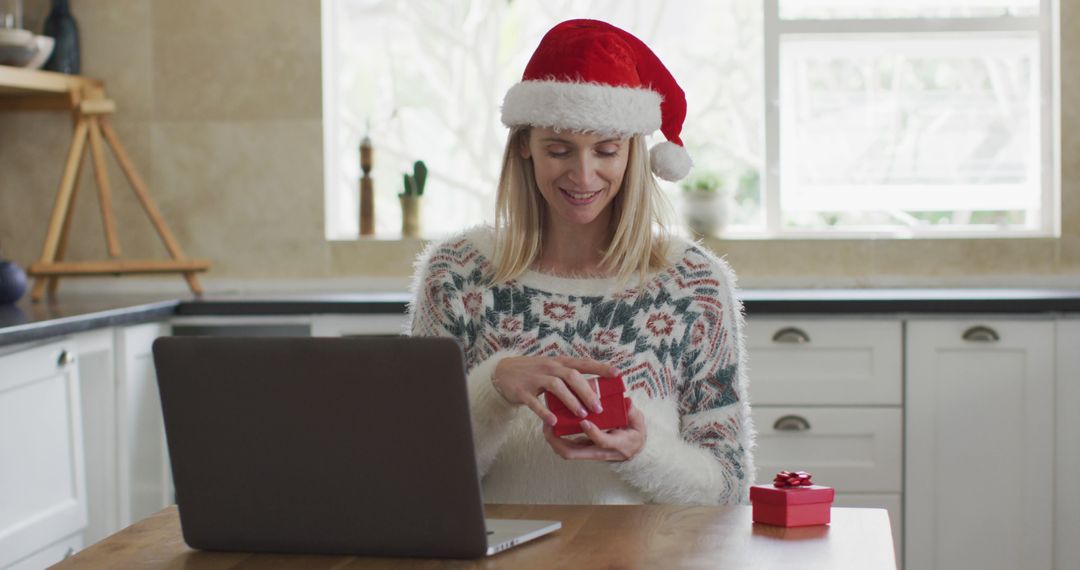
(26, 321)
(73, 313)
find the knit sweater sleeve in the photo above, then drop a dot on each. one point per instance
(438, 309)
(699, 450)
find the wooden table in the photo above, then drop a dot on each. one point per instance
(645, 536)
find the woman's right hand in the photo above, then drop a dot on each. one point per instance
(521, 380)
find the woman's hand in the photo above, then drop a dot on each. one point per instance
(616, 445)
(521, 380)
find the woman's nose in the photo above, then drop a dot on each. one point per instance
(583, 171)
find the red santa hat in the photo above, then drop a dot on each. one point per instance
(590, 76)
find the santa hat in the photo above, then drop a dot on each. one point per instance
(590, 76)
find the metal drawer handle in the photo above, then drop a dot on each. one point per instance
(65, 358)
(791, 423)
(980, 333)
(791, 335)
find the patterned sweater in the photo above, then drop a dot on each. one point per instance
(677, 343)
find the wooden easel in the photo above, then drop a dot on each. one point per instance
(90, 111)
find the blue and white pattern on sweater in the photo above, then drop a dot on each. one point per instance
(677, 341)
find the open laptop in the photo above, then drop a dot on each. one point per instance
(326, 445)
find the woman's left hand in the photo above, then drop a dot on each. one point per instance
(616, 445)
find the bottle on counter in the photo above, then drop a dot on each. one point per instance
(60, 25)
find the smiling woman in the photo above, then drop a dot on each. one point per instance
(580, 277)
(579, 177)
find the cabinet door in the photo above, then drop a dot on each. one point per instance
(97, 385)
(1067, 492)
(145, 479)
(979, 444)
(358, 325)
(42, 485)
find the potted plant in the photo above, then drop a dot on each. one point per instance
(704, 210)
(410, 200)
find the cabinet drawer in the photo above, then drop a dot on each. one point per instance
(829, 362)
(855, 450)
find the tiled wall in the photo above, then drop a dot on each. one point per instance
(220, 107)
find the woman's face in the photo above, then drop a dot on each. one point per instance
(578, 174)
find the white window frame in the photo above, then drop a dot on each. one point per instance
(1047, 27)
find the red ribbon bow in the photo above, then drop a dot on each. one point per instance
(792, 479)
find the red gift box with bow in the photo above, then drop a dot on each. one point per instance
(613, 400)
(792, 500)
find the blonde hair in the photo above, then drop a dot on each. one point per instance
(639, 238)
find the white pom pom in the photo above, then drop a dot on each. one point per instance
(670, 161)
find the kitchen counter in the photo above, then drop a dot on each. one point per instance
(73, 313)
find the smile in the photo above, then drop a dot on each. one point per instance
(580, 198)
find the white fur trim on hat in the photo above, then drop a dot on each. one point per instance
(586, 107)
(670, 161)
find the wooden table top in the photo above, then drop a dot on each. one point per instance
(638, 536)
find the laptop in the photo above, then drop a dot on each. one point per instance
(357, 446)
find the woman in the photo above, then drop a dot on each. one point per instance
(577, 278)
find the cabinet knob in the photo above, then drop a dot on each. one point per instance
(791, 335)
(65, 358)
(980, 333)
(791, 423)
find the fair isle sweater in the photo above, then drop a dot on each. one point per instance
(677, 343)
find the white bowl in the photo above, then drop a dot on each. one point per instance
(16, 37)
(45, 46)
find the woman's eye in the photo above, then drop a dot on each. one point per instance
(558, 152)
(608, 151)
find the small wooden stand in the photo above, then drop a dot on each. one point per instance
(367, 190)
(30, 90)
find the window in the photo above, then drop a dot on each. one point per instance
(914, 118)
(822, 118)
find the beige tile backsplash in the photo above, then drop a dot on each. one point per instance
(220, 108)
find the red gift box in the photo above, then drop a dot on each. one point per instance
(792, 506)
(612, 399)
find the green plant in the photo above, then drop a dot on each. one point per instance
(414, 183)
(702, 182)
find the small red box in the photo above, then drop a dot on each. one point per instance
(612, 398)
(792, 506)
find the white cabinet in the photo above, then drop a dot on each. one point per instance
(1067, 430)
(82, 449)
(144, 479)
(979, 444)
(42, 481)
(826, 396)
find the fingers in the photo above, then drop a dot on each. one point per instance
(579, 449)
(598, 436)
(538, 408)
(583, 389)
(627, 441)
(588, 366)
(558, 387)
